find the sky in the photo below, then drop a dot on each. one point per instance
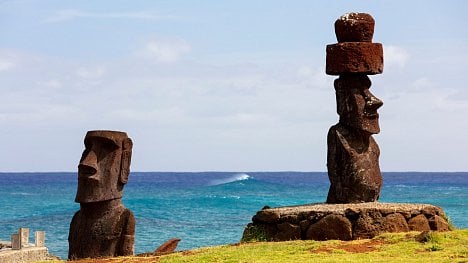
(224, 85)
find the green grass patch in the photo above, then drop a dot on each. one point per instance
(398, 247)
(449, 246)
(254, 234)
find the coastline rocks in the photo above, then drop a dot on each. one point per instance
(342, 221)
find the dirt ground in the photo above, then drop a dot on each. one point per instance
(364, 247)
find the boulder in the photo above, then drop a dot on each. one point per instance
(437, 223)
(331, 227)
(287, 231)
(395, 223)
(419, 223)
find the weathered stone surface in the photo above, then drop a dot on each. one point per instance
(354, 57)
(354, 27)
(331, 227)
(419, 223)
(395, 223)
(368, 225)
(353, 167)
(367, 220)
(25, 255)
(102, 227)
(287, 231)
(24, 237)
(15, 241)
(39, 238)
(432, 210)
(437, 223)
(353, 155)
(266, 215)
(168, 247)
(304, 225)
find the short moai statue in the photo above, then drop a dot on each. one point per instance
(102, 227)
(353, 155)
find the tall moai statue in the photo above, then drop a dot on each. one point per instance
(102, 227)
(353, 155)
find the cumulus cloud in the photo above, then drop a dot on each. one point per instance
(165, 50)
(70, 14)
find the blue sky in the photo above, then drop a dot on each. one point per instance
(224, 85)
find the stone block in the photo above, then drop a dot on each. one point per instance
(15, 242)
(331, 227)
(354, 57)
(437, 223)
(354, 27)
(419, 223)
(368, 225)
(287, 231)
(266, 216)
(40, 238)
(24, 237)
(395, 223)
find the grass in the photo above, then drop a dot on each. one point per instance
(449, 246)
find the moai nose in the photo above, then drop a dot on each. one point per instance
(88, 164)
(373, 103)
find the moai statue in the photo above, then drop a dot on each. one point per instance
(102, 227)
(353, 155)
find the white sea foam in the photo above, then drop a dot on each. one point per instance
(233, 178)
(22, 193)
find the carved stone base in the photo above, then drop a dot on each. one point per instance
(343, 221)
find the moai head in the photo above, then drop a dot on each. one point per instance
(353, 58)
(104, 166)
(356, 105)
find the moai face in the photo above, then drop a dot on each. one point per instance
(104, 166)
(356, 105)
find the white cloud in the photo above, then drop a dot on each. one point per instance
(395, 56)
(6, 65)
(93, 72)
(8, 60)
(212, 111)
(165, 50)
(422, 84)
(70, 14)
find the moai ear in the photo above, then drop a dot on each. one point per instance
(126, 159)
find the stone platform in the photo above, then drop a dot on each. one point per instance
(343, 221)
(29, 254)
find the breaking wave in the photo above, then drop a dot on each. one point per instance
(233, 178)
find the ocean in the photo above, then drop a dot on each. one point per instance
(205, 208)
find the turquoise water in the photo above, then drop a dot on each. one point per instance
(202, 209)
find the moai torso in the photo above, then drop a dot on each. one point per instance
(102, 227)
(353, 155)
(353, 167)
(106, 233)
